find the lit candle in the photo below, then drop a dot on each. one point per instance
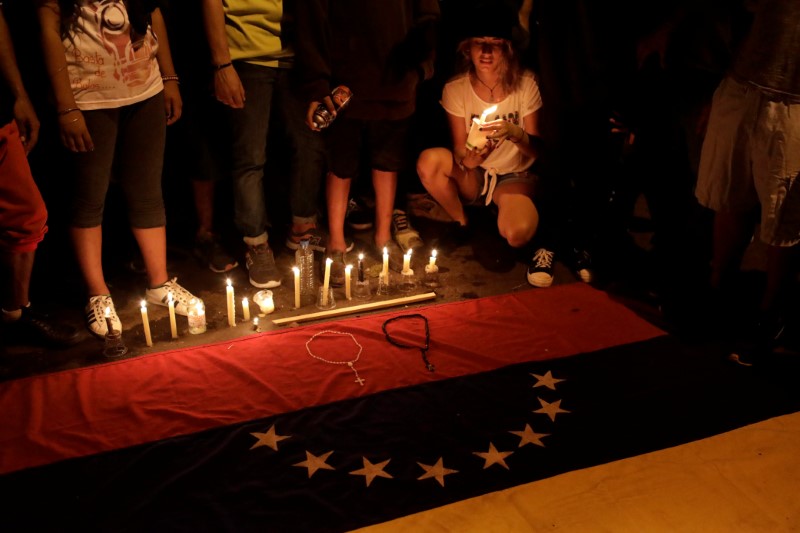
(296, 271)
(173, 327)
(146, 324)
(347, 270)
(109, 327)
(197, 317)
(385, 271)
(476, 139)
(246, 308)
(433, 259)
(407, 261)
(361, 267)
(231, 308)
(326, 281)
(255, 324)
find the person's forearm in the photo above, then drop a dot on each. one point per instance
(163, 56)
(55, 58)
(214, 22)
(8, 62)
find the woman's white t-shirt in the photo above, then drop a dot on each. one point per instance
(109, 65)
(459, 99)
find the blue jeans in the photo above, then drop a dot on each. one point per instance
(249, 128)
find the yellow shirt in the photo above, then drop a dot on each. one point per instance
(253, 28)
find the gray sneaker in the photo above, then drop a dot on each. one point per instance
(261, 267)
(404, 235)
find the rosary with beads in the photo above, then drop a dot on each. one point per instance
(423, 349)
(350, 363)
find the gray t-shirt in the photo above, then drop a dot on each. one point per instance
(770, 54)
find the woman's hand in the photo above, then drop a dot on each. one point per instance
(173, 104)
(502, 130)
(74, 133)
(475, 158)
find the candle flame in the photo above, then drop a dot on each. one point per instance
(199, 307)
(144, 304)
(169, 297)
(108, 311)
(244, 300)
(296, 270)
(385, 251)
(487, 112)
(228, 281)
(328, 261)
(361, 256)
(348, 268)
(433, 253)
(255, 321)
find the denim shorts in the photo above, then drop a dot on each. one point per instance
(385, 143)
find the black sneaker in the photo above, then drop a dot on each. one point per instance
(582, 265)
(359, 216)
(39, 329)
(210, 252)
(261, 267)
(541, 267)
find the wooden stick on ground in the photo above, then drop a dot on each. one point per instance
(357, 308)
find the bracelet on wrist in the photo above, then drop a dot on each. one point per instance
(67, 111)
(176, 79)
(223, 66)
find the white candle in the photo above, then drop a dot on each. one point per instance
(148, 339)
(109, 327)
(296, 271)
(433, 259)
(255, 323)
(246, 308)
(326, 281)
(173, 327)
(197, 318)
(407, 261)
(231, 305)
(385, 271)
(476, 139)
(347, 271)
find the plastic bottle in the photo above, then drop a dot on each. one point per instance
(304, 257)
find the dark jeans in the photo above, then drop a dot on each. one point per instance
(249, 128)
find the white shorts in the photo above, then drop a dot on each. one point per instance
(751, 158)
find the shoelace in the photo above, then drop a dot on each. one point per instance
(489, 183)
(401, 221)
(99, 305)
(181, 295)
(543, 258)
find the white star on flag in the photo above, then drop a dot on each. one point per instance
(270, 438)
(314, 463)
(528, 436)
(371, 471)
(493, 457)
(437, 471)
(546, 381)
(550, 409)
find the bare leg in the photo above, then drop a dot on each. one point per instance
(732, 234)
(385, 185)
(19, 266)
(204, 206)
(444, 182)
(88, 243)
(517, 217)
(153, 245)
(337, 191)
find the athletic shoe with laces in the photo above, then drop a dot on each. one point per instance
(36, 328)
(184, 300)
(210, 252)
(425, 206)
(582, 265)
(337, 269)
(96, 315)
(261, 267)
(407, 237)
(540, 269)
(317, 240)
(359, 216)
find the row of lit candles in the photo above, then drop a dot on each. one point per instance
(197, 313)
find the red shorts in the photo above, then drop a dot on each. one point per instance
(23, 216)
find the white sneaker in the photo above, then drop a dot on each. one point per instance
(183, 298)
(540, 269)
(96, 315)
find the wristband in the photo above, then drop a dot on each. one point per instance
(176, 79)
(223, 66)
